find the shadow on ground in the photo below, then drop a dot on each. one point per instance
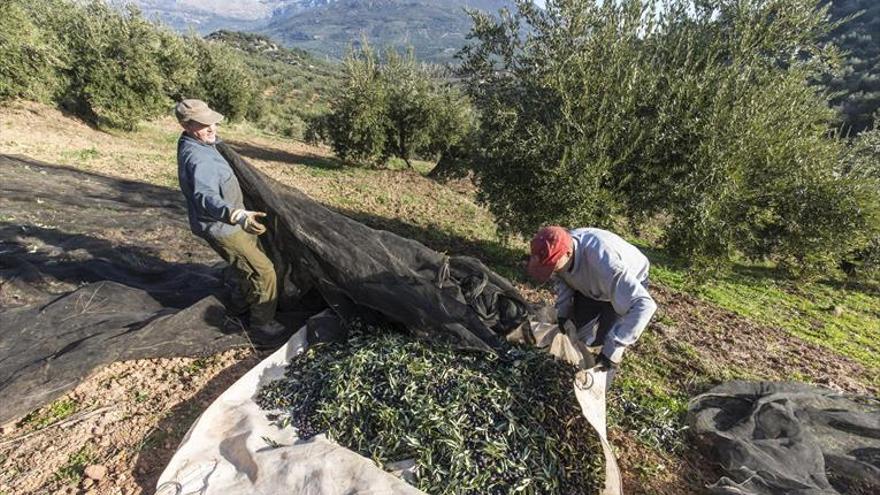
(61, 227)
(276, 155)
(26, 180)
(39, 261)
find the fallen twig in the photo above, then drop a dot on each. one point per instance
(76, 418)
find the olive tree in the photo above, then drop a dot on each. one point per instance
(700, 113)
(223, 78)
(394, 107)
(27, 60)
(114, 77)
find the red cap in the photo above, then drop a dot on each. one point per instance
(548, 246)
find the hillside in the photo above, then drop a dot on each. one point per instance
(262, 46)
(859, 82)
(436, 28)
(209, 15)
(130, 416)
(294, 85)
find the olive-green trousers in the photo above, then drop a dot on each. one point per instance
(257, 286)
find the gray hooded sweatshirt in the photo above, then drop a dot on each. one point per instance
(607, 268)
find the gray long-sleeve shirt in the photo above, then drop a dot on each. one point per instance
(211, 189)
(607, 268)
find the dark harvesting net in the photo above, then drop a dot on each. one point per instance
(355, 268)
(772, 437)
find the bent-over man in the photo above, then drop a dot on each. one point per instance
(598, 276)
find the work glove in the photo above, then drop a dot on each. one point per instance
(248, 221)
(562, 322)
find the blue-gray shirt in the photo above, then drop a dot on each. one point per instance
(211, 189)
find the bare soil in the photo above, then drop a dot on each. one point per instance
(131, 417)
(725, 341)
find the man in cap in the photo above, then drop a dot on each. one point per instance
(601, 284)
(217, 214)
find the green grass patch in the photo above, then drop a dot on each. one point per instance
(81, 156)
(72, 471)
(649, 410)
(197, 366)
(645, 402)
(57, 411)
(141, 396)
(155, 439)
(420, 166)
(826, 312)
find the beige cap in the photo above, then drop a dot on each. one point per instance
(196, 110)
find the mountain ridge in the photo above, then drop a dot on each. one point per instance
(436, 29)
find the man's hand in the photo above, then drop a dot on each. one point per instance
(603, 363)
(248, 221)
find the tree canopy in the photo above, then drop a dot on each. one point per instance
(696, 114)
(393, 107)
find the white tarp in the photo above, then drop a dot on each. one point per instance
(233, 449)
(589, 387)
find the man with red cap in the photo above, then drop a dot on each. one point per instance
(601, 284)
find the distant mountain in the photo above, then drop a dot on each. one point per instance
(435, 28)
(249, 10)
(257, 44)
(205, 16)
